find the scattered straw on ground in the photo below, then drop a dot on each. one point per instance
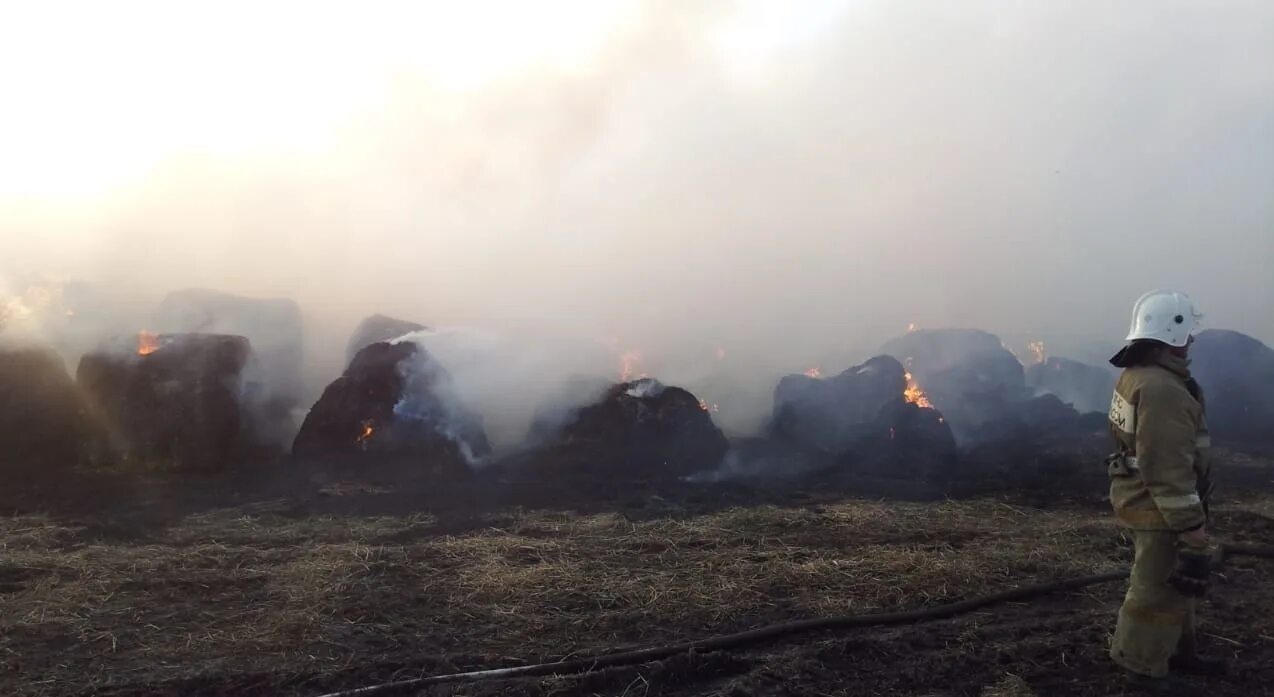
(230, 591)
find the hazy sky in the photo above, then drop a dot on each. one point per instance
(790, 181)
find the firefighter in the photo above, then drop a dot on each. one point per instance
(1159, 488)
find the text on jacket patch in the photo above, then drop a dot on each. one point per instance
(1122, 414)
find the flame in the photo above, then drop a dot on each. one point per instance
(912, 393)
(147, 343)
(368, 430)
(1038, 351)
(814, 373)
(912, 327)
(703, 404)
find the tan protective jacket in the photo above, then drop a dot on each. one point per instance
(1159, 477)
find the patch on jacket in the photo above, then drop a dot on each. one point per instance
(1122, 414)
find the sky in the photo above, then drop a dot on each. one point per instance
(787, 184)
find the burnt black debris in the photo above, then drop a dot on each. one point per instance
(375, 329)
(172, 402)
(1085, 387)
(394, 403)
(1236, 373)
(638, 430)
(42, 418)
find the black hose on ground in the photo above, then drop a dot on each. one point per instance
(774, 631)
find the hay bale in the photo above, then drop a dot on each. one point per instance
(862, 419)
(980, 387)
(175, 407)
(393, 403)
(42, 418)
(273, 327)
(639, 430)
(376, 329)
(836, 413)
(966, 373)
(1236, 373)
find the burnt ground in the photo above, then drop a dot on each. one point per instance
(302, 583)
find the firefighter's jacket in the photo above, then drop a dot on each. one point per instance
(1160, 475)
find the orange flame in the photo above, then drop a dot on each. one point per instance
(912, 327)
(147, 343)
(814, 373)
(703, 404)
(912, 393)
(368, 430)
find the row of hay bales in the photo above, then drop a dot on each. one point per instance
(201, 401)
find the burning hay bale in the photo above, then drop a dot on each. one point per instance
(376, 329)
(637, 430)
(394, 402)
(979, 386)
(1236, 373)
(42, 420)
(273, 327)
(1085, 387)
(871, 416)
(966, 373)
(173, 403)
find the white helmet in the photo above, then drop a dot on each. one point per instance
(1164, 315)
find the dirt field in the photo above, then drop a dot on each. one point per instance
(304, 595)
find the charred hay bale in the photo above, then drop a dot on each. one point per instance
(171, 404)
(862, 418)
(394, 402)
(376, 329)
(637, 430)
(835, 413)
(42, 418)
(1036, 420)
(1087, 388)
(272, 326)
(1236, 373)
(575, 393)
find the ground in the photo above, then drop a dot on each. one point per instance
(356, 584)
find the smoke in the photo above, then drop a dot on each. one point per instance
(510, 379)
(731, 191)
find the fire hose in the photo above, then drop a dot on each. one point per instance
(775, 631)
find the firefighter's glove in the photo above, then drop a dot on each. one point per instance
(1190, 577)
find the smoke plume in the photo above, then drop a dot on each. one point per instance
(724, 192)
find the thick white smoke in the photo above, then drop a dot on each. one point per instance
(729, 191)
